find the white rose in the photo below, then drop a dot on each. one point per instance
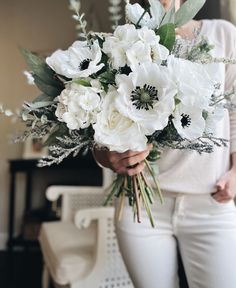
(116, 131)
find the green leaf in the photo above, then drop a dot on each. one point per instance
(82, 82)
(187, 11)
(157, 10)
(167, 35)
(60, 131)
(170, 15)
(40, 68)
(42, 98)
(38, 105)
(48, 89)
(107, 77)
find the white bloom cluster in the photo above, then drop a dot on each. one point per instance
(78, 106)
(152, 94)
(133, 103)
(131, 46)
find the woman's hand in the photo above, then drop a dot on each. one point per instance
(130, 162)
(226, 187)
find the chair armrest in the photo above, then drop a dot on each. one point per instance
(55, 191)
(84, 217)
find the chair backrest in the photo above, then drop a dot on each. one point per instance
(78, 197)
(75, 198)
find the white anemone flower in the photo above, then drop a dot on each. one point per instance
(80, 60)
(189, 122)
(147, 96)
(78, 106)
(195, 82)
(114, 130)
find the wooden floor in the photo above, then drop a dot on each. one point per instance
(20, 269)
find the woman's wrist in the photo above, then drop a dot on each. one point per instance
(94, 150)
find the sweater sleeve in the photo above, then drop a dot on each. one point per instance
(230, 79)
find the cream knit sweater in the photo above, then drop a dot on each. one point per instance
(187, 171)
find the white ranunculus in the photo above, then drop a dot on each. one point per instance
(116, 52)
(147, 96)
(189, 122)
(127, 33)
(195, 84)
(116, 131)
(78, 106)
(158, 51)
(148, 36)
(80, 60)
(132, 47)
(137, 54)
(115, 46)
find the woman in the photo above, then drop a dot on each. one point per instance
(199, 214)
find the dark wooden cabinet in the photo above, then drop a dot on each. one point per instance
(81, 170)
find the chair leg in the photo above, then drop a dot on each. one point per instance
(45, 277)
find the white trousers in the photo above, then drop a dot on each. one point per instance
(205, 231)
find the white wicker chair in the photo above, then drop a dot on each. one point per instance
(86, 256)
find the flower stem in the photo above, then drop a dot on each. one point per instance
(136, 198)
(145, 200)
(155, 181)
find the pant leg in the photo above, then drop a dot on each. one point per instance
(206, 231)
(149, 254)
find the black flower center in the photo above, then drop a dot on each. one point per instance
(185, 120)
(84, 64)
(144, 98)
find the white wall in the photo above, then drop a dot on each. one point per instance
(39, 26)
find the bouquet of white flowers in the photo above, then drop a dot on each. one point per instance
(121, 91)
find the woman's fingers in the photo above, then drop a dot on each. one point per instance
(129, 153)
(130, 171)
(133, 160)
(223, 195)
(129, 162)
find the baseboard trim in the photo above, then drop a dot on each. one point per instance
(3, 241)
